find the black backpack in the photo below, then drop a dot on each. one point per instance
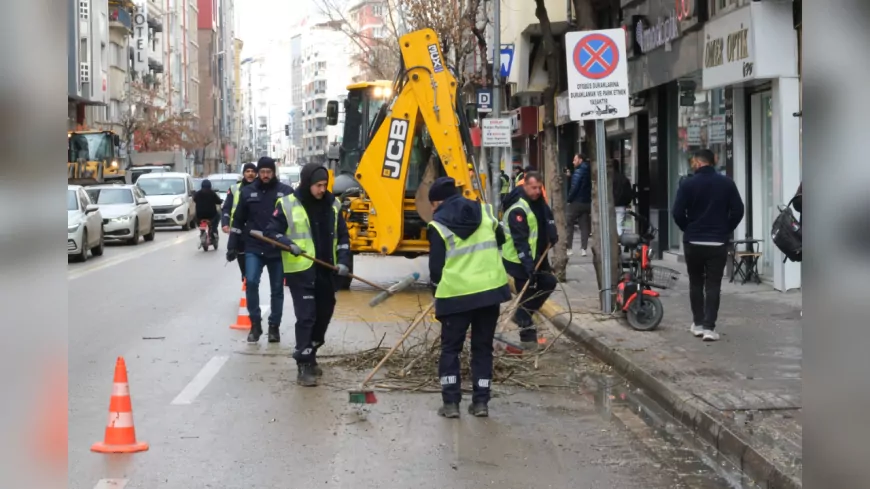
(786, 234)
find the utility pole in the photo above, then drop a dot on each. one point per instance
(495, 154)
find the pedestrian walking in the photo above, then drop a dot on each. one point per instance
(231, 201)
(707, 209)
(580, 203)
(309, 220)
(623, 194)
(471, 283)
(253, 212)
(529, 226)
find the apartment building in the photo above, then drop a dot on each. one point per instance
(209, 90)
(88, 62)
(367, 17)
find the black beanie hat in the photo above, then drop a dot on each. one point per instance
(320, 174)
(249, 166)
(266, 162)
(441, 189)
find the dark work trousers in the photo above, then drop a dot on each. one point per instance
(313, 304)
(255, 263)
(532, 300)
(242, 262)
(579, 214)
(706, 265)
(453, 331)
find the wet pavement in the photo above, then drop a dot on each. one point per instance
(219, 413)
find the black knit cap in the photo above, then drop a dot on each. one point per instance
(266, 162)
(249, 166)
(441, 189)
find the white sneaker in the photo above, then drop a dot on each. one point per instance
(570, 252)
(710, 335)
(697, 330)
(582, 252)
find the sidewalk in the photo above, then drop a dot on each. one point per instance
(742, 394)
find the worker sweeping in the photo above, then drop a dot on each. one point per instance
(471, 283)
(310, 221)
(530, 227)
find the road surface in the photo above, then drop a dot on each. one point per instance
(219, 413)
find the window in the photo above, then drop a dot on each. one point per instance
(71, 200)
(718, 7)
(108, 196)
(378, 10)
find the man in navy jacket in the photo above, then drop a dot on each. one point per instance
(580, 203)
(707, 209)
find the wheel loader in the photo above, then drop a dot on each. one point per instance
(93, 157)
(398, 138)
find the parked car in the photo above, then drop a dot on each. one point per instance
(127, 215)
(84, 225)
(221, 182)
(171, 196)
(197, 183)
(289, 175)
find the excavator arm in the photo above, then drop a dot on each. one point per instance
(424, 96)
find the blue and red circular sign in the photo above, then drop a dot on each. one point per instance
(596, 56)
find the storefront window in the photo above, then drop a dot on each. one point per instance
(700, 125)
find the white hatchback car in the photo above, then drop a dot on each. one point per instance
(127, 215)
(84, 224)
(171, 196)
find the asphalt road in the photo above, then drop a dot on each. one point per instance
(219, 413)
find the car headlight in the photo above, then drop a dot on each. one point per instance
(73, 228)
(123, 218)
(177, 201)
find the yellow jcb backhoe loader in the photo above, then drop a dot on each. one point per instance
(94, 157)
(398, 138)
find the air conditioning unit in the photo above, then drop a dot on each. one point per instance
(85, 72)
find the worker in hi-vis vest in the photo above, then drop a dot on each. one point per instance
(529, 228)
(470, 285)
(310, 221)
(228, 210)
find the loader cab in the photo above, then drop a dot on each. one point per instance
(360, 108)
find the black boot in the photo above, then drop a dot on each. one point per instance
(305, 375)
(256, 332)
(449, 410)
(274, 333)
(478, 409)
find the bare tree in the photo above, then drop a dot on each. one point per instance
(146, 119)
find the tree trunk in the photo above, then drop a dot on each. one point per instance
(552, 170)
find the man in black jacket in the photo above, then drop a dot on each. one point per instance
(580, 203)
(310, 221)
(207, 205)
(254, 211)
(531, 227)
(471, 283)
(249, 174)
(707, 209)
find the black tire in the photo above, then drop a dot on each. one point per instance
(187, 226)
(150, 236)
(344, 282)
(648, 317)
(135, 239)
(98, 251)
(83, 254)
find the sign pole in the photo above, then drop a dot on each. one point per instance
(494, 180)
(604, 223)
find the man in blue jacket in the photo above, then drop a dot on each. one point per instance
(707, 209)
(580, 203)
(254, 212)
(471, 283)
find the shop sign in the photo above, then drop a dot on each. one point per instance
(693, 133)
(729, 49)
(496, 133)
(650, 37)
(140, 39)
(716, 130)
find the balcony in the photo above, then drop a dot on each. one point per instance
(120, 18)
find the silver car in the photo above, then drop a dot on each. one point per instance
(221, 182)
(127, 215)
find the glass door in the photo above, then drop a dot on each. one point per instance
(768, 205)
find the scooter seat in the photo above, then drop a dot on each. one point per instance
(629, 239)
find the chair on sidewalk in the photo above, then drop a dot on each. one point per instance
(745, 262)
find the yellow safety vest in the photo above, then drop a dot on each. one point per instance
(299, 231)
(471, 265)
(234, 190)
(508, 250)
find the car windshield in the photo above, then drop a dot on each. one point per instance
(72, 203)
(161, 186)
(221, 186)
(107, 196)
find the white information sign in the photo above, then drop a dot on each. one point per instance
(597, 74)
(140, 39)
(496, 133)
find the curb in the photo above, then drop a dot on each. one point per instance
(688, 411)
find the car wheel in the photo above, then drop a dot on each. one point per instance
(98, 250)
(83, 254)
(152, 233)
(135, 239)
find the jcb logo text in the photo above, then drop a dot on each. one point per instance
(396, 140)
(437, 65)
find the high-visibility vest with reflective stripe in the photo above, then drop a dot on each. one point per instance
(518, 180)
(505, 184)
(471, 265)
(299, 231)
(234, 190)
(508, 250)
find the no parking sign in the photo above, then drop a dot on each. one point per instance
(597, 74)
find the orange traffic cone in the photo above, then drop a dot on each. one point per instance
(243, 321)
(120, 434)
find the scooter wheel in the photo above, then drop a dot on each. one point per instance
(646, 316)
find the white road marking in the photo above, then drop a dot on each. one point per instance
(78, 273)
(111, 484)
(188, 395)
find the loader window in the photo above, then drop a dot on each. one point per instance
(360, 109)
(97, 146)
